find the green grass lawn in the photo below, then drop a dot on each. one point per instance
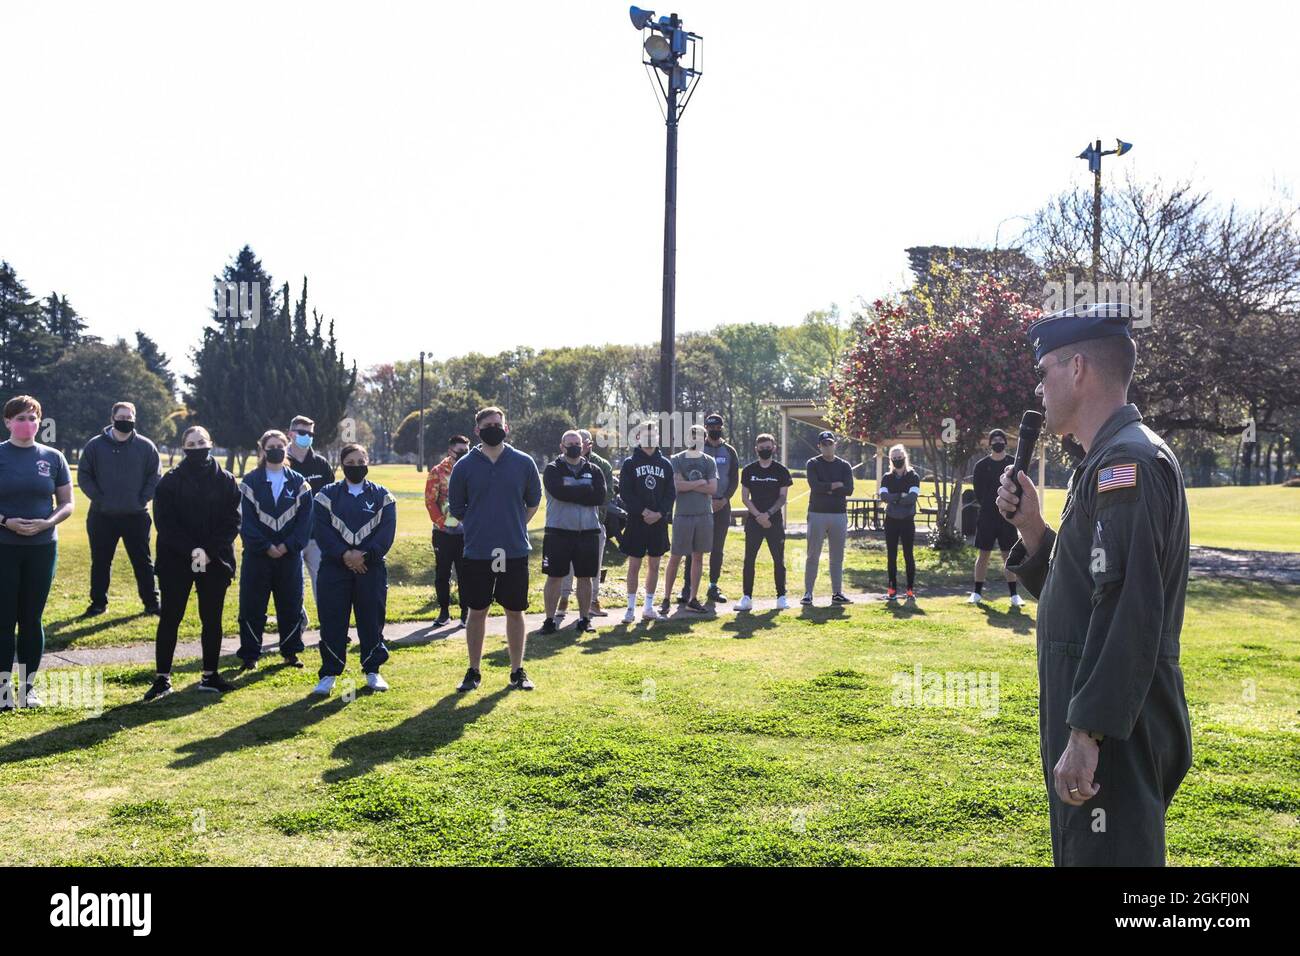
(735, 741)
(1266, 518)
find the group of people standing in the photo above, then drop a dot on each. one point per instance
(292, 514)
(289, 511)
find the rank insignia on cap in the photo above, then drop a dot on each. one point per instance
(1117, 476)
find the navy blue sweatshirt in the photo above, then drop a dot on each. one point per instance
(646, 481)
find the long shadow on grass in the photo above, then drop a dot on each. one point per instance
(60, 635)
(416, 736)
(279, 724)
(1013, 620)
(92, 731)
(820, 615)
(745, 624)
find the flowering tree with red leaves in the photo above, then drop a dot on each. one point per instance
(950, 379)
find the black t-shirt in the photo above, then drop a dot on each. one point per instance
(765, 484)
(988, 477)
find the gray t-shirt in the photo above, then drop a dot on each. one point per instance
(693, 469)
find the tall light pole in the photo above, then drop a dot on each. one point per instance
(664, 48)
(1093, 154)
(419, 461)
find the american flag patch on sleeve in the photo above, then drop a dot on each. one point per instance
(1117, 476)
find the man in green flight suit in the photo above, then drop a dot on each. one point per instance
(1114, 733)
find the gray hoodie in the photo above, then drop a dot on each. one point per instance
(119, 477)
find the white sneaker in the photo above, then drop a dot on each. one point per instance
(649, 614)
(630, 616)
(975, 598)
(1017, 601)
(782, 604)
(744, 604)
(31, 698)
(376, 682)
(325, 687)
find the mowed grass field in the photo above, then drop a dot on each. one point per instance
(1259, 518)
(755, 740)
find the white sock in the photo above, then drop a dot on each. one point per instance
(649, 600)
(631, 601)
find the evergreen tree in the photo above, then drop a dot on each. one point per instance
(155, 360)
(26, 346)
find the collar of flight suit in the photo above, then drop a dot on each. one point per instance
(1124, 415)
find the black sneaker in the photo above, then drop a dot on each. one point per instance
(548, 626)
(94, 610)
(519, 680)
(162, 686)
(838, 598)
(291, 660)
(666, 607)
(215, 684)
(153, 610)
(443, 618)
(247, 666)
(716, 595)
(584, 626)
(694, 605)
(806, 600)
(471, 681)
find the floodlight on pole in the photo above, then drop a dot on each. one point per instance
(1093, 154)
(671, 54)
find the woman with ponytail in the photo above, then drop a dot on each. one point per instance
(899, 489)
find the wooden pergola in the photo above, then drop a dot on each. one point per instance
(813, 411)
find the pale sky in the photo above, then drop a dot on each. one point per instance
(485, 175)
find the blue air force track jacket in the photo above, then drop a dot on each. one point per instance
(366, 522)
(286, 520)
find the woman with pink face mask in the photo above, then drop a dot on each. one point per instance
(35, 495)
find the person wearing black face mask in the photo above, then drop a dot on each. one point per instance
(899, 489)
(354, 522)
(197, 511)
(448, 535)
(575, 490)
(764, 486)
(277, 523)
(992, 529)
(118, 471)
(495, 491)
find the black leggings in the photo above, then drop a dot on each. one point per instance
(904, 530)
(755, 535)
(175, 585)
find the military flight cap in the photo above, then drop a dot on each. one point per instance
(1078, 324)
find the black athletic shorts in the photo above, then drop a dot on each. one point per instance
(562, 549)
(480, 585)
(640, 539)
(994, 531)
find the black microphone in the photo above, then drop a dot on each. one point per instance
(1031, 424)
